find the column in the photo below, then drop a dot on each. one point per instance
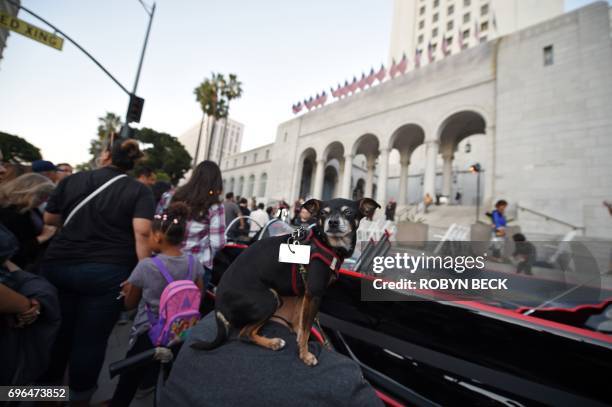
(447, 174)
(297, 180)
(489, 167)
(429, 183)
(383, 174)
(369, 185)
(338, 186)
(403, 186)
(318, 180)
(346, 176)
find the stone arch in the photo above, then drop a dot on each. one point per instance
(453, 129)
(334, 150)
(405, 139)
(460, 125)
(306, 169)
(366, 144)
(330, 182)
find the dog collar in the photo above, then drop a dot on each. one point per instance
(319, 251)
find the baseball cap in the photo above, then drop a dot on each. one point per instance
(43, 166)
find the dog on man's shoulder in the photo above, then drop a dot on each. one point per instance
(249, 291)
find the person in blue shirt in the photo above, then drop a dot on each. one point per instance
(499, 219)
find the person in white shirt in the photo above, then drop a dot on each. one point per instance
(260, 217)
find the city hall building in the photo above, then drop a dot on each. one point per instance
(530, 102)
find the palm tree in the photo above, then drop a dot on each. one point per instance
(232, 90)
(108, 125)
(214, 96)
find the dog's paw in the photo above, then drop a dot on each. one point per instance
(277, 344)
(309, 359)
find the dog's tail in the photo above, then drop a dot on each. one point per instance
(222, 333)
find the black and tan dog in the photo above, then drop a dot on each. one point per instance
(249, 291)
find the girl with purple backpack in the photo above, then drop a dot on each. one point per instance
(166, 288)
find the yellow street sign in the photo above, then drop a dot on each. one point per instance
(19, 26)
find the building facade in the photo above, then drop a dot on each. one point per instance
(10, 9)
(419, 24)
(227, 134)
(535, 105)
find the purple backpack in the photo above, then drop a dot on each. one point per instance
(178, 307)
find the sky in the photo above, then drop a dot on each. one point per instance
(283, 52)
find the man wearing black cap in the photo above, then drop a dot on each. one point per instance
(46, 168)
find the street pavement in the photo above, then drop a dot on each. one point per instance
(116, 349)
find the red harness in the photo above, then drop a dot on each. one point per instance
(317, 251)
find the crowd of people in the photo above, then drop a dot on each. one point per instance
(76, 250)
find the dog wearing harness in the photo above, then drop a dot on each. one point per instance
(250, 290)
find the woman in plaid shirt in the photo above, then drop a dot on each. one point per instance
(205, 233)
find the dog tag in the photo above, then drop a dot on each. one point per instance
(294, 253)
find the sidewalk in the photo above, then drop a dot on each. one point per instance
(117, 347)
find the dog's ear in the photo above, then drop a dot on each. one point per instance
(313, 206)
(367, 206)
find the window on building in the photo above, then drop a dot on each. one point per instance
(255, 157)
(483, 39)
(285, 139)
(244, 160)
(422, 10)
(466, 3)
(434, 33)
(450, 25)
(267, 155)
(240, 186)
(450, 10)
(466, 18)
(484, 10)
(484, 26)
(436, 3)
(250, 186)
(434, 18)
(263, 180)
(434, 47)
(235, 162)
(421, 39)
(549, 56)
(421, 24)
(449, 40)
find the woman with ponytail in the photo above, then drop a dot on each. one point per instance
(104, 218)
(205, 232)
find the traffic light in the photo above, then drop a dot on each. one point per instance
(134, 109)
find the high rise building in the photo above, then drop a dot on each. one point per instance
(230, 136)
(10, 9)
(427, 24)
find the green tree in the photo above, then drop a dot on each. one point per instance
(214, 96)
(166, 155)
(16, 149)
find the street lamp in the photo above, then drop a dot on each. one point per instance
(477, 169)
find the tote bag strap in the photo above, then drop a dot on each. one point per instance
(92, 196)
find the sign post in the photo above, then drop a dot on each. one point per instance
(9, 22)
